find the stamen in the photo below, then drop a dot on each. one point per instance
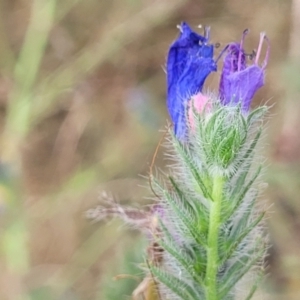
(180, 28)
(246, 31)
(261, 41)
(253, 54)
(265, 62)
(207, 33)
(221, 53)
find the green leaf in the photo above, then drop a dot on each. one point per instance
(200, 141)
(169, 245)
(235, 242)
(194, 207)
(255, 285)
(227, 149)
(248, 227)
(239, 269)
(239, 199)
(177, 286)
(181, 214)
(242, 220)
(214, 123)
(257, 114)
(248, 155)
(190, 166)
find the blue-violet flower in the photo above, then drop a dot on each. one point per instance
(190, 61)
(239, 81)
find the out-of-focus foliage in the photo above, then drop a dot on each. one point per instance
(82, 100)
(127, 267)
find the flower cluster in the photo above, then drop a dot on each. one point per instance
(204, 229)
(191, 60)
(210, 231)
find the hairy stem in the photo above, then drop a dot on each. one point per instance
(213, 234)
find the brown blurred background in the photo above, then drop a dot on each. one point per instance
(82, 103)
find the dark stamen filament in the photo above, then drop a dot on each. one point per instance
(241, 50)
(222, 52)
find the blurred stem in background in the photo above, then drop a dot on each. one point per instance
(26, 70)
(18, 120)
(114, 37)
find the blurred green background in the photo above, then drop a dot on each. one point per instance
(82, 106)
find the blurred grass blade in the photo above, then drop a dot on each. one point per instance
(28, 64)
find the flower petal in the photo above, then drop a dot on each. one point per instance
(190, 61)
(240, 87)
(240, 82)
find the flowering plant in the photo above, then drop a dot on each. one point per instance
(205, 227)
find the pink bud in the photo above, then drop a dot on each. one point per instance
(200, 103)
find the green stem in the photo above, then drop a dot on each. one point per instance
(28, 64)
(15, 235)
(213, 235)
(21, 102)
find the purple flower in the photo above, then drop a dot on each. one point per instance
(190, 61)
(239, 81)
